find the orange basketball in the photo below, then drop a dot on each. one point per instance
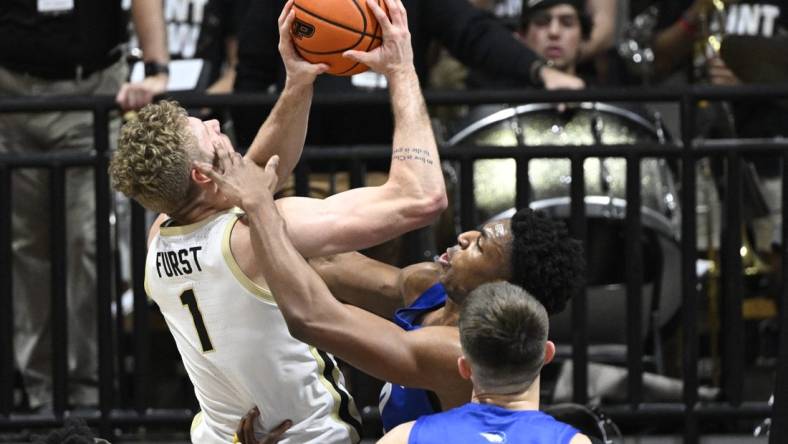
(324, 29)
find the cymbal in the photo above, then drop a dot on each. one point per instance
(756, 59)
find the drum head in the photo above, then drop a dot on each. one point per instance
(580, 125)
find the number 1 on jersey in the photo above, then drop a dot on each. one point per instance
(188, 299)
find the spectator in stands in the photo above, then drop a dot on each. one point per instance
(57, 48)
(553, 29)
(603, 14)
(474, 36)
(683, 41)
(203, 44)
(503, 332)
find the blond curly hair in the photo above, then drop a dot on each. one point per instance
(153, 161)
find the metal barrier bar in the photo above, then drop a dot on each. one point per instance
(6, 296)
(141, 327)
(678, 412)
(578, 228)
(358, 173)
(634, 271)
(468, 208)
(302, 179)
(732, 323)
(39, 160)
(779, 430)
(57, 288)
(688, 272)
(103, 268)
(523, 183)
(432, 97)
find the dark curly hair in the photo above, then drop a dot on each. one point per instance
(546, 262)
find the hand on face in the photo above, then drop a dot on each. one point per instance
(395, 54)
(299, 71)
(241, 181)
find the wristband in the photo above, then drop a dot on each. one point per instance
(535, 72)
(156, 68)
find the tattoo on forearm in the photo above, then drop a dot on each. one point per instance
(418, 154)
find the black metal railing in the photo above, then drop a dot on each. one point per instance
(686, 151)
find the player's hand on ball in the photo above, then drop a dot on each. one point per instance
(299, 71)
(395, 54)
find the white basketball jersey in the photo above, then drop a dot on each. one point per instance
(235, 344)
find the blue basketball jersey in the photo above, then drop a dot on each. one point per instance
(400, 404)
(475, 423)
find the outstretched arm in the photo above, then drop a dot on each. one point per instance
(372, 285)
(414, 193)
(148, 18)
(284, 131)
(358, 280)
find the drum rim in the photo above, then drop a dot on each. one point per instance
(597, 204)
(509, 112)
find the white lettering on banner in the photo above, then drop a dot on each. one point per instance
(770, 14)
(749, 19)
(181, 11)
(58, 6)
(745, 19)
(198, 10)
(182, 39)
(176, 10)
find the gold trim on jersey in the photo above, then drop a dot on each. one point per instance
(332, 390)
(196, 421)
(257, 290)
(181, 230)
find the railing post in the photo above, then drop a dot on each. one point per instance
(578, 228)
(141, 328)
(688, 270)
(6, 296)
(634, 271)
(103, 268)
(779, 430)
(732, 323)
(467, 192)
(58, 304)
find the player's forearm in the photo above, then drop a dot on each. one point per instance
(284, 131)
(148, 18)
(415, 163)
(361, 281)
(674, 44)
(302, 296)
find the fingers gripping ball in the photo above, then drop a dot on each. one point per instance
(324, 29)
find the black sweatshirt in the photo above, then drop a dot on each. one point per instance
(472, 35)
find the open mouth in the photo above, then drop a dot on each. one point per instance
(443, 259)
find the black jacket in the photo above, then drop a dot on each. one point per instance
(473, 36)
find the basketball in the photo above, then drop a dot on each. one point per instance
(324, 29)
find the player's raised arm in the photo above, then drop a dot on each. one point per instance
(414, 194)
(284, 131)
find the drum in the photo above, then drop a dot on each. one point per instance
(592, 422)
(581, 124)
(605, 205)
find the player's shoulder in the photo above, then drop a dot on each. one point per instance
(580, 439)
(416, 279)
